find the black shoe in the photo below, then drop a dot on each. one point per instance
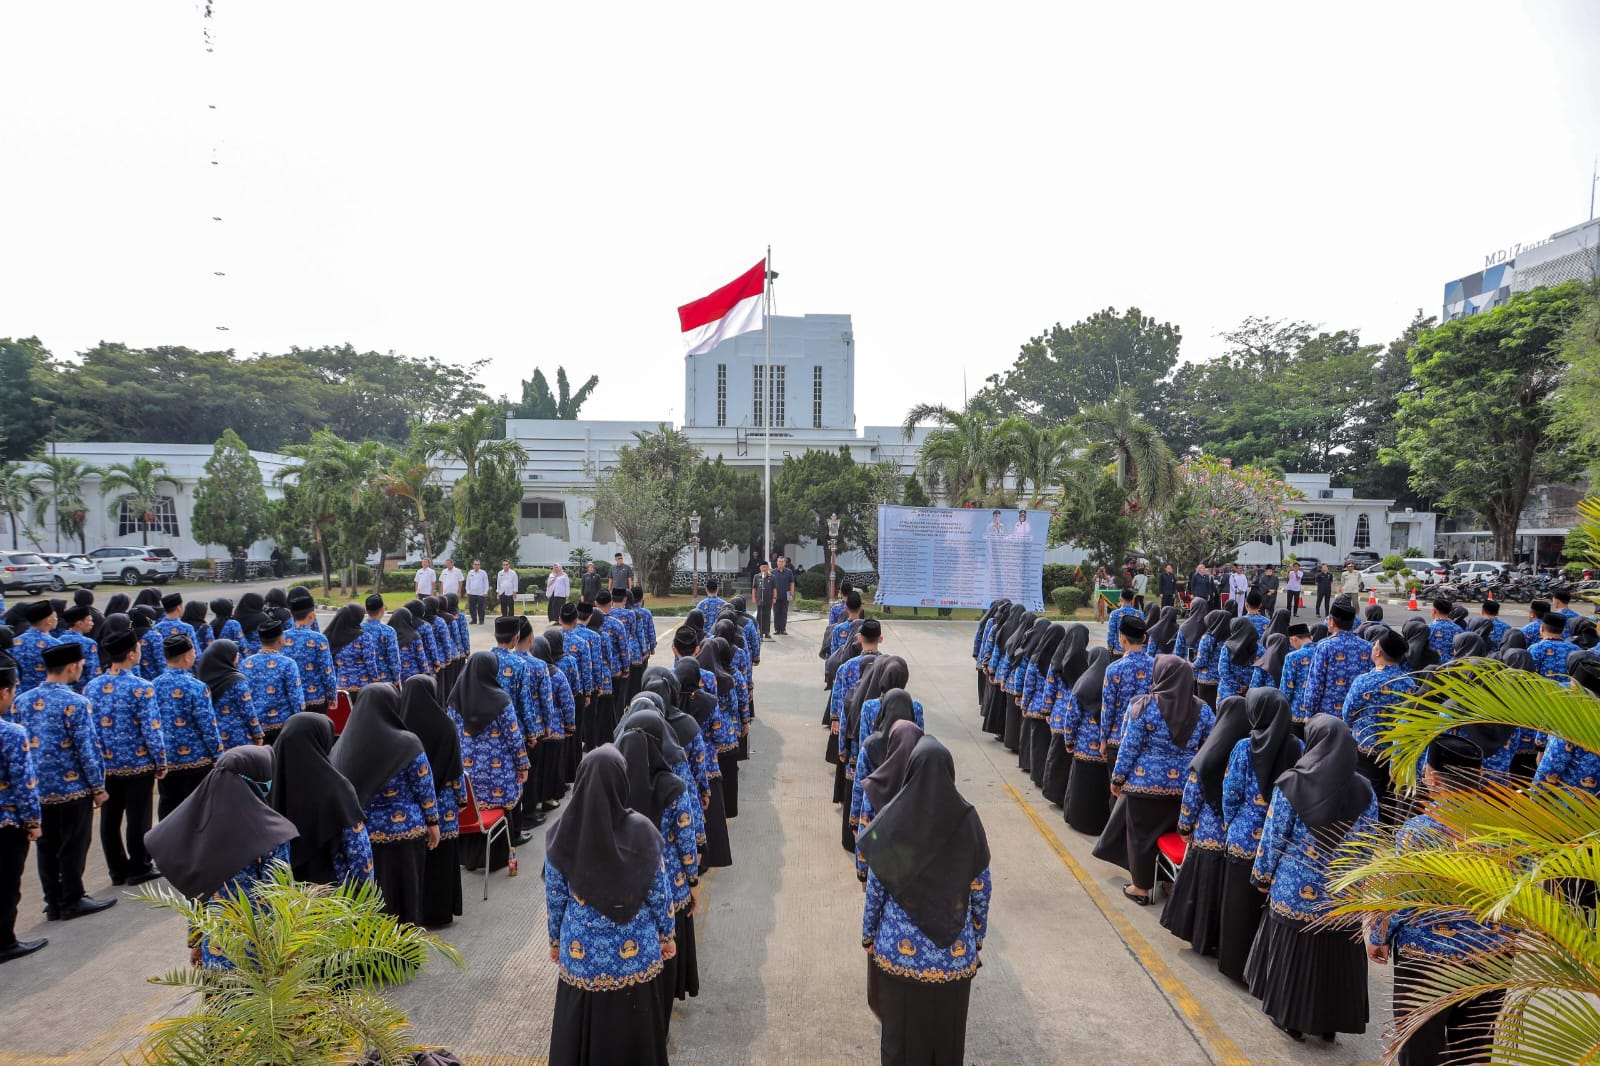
(518, 841)
(85, 905)
(149, 873)
(118, 879)
(21, 948)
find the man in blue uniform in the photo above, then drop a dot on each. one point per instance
(388, 664)
(516, 678)
(1490, 609)
(1443, 631)
(76, 622)
(1550, 653)
(616, 637)
(275, 690)
(1561, 604)
(712, 604)
(134, 749)
(1536, 610)
(1367, 698)
(309, 650)
(1114, 623)
(1126, 678)
(29, 646)
(188, 724)
(173, 624)
(19, 819)
(62, 737)
(1336, 662)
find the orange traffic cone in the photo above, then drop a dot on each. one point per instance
(1372, 597)
(1412, 606)
(1489, 594)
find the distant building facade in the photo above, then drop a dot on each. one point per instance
(1572, 254)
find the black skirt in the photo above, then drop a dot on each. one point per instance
(1311, 980)
(994, 710)
(1012, 736)
(441, 883)
(571, 755)
(606, 1028)
(1242, 905)
(397, 867)
(729, 762)
(924, 1023)
(841, 783)
(1207, 691)
(1057, 769)
(1088, 800)
(545, 781)
(1129, 838)
(1036, 743)
(847, 832)
(830, 750)
(1191, 910)
(680, 975)
(717, 851)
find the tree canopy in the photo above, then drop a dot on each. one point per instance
(539, 402)
(230, 500)
(1068, 369)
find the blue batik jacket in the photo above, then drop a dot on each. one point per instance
(63, 741)
(129, 723)
(1149, 763)
(188, 722)
(899, 947)
(596, 953)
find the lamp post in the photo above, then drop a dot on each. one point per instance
(833, 545)
(694, 544)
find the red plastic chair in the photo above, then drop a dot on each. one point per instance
(490, 822)
(1170, 851)
(340, 712)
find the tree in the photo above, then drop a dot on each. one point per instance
(16, 495)
(1217, 508)
(1145, 466)
(494, 497)
(1477, 433)
(965, 459)
(539, 402)
(58, 485)
(730, 505)
(811, 487)
(27, 398)
(334, 480)
(1071, 369)
(409, 477)
(911, 494)
(1049, 461)
(471, 439)
(382, 395)
(230, 499)
(646, 496)
(1374, 468)
(1097, 521)
(1578, 404)
(141, 480)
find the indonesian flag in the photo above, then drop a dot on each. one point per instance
(731, 310)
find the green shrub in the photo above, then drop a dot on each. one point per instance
(1067, 598)
(813, 584)
(530, 580)
(1413, 553)
(803, 604)
(1058, 574)
(399, 580)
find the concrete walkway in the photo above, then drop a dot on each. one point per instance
(1071, 974)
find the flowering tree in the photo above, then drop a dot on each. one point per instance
(1217, 508)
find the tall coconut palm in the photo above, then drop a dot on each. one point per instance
(59, 484)
(408, 478)
(16, 495)
(966, 457)
(141, 481)
(1146, 467)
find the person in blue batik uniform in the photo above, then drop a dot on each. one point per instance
(666, 686)
(1311, 979)
(231, 702)
(1066, 666)
(77, 621)
(386, 765)
(172, 624)
(1236, 657)
(134, 751)
(1269, 750)
(608, 911)
(441, 743)
(251, 614)
(837, 608)
(1565, 763)
(354, 650)
(1442, 631)
(385, 640)
(896, 706)
(1193, 908)
(19, 819)
(223, 841)
(275, 691)
(886, 779)
(1551, 653)
(1087, 801)
(1114, 622)
(1369, 697)
(333, 846)
(1561, 604)
(188, 723)
(194, 616)
(152, 656)
(1490, 625)
(545, 784)
(926, 911)
(29, 646)
(1160, 735)
(1336, 662)
(1416, 943)
(1218, 624)
(845, 679)
(493, 752)
(885, 673)
(309, 650)
(713, 604)
(223, 625)
(71, 781)
(1126, 679)
(1296, 665)
(412, 652)
(513, 675)
(1190, 634)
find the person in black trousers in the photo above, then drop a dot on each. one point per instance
(1324, 590)
(1268, 583)
(19, 823)
(1168, 586)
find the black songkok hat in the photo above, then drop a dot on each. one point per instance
(74, 614)
(8, 677)
(1133, 628)
(569, 612)
(602, 598)
(505, 629)
(1490, 607)
(1252, 598)
(1344, 614)
(301, 600)
(38, 611)
(172, 601)
(271, 629)
(83, 597)
(1394, 646)
(63, 654)
(871, 629)
(1452, 752)
(119, 643)
(1299, 629)
(585, 609)
(524, 627)
(374, 603)
(1539, 607)
(176, 646)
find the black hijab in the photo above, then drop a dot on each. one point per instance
(219, 667)
(895, 705)
(221, 612)
(885, 781)
(555, 638)
(345, 627)
(452, 605)
(1272, 746)
(651, 750)
(1019, 634)
(609, 854)
(664, 683)
(1323, 785)
(114, 624)
(1468, 645)
(1072, 657)
(710, 659)
(375, 744)
(698, 704)
(251, 613)
(1172, 690)
(1516, 659)
(1373, 613)
(1164, 634)
(882, 674)
(1483, 627)
(478, 697)
(1092, 682)
(1243, 640)
(1210, 763)
(697, 619)
(1217, 625)
(1194, 627)
(1513, 639)
(1280, 622)
(421, 713)
(927, 845)
(1421, 655)
(118, 603)
(150, 596)
(308, 791)
(1151, 611)
(1458, 614)
(276, 598)
(1045, 649)
(222, 827)
(194, 612)
(1272, 656)
(404, 624)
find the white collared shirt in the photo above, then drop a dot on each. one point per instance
(477, 582)
(506, 583)
(425, 579)
(450, 581)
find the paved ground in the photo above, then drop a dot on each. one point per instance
(1072, 973)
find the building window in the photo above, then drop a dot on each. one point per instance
(163, 518)
(759, 405)
(548, 517)
(816, 397)
(780, 416)
(1313, 527)
(722, 394)
(1399, 537)
(1363, 531)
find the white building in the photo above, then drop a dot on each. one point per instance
(1333, 522)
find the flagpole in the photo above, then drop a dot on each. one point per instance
(767, 415)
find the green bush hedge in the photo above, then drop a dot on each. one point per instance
(813, 584)
(1059, 574)
(1067, 598)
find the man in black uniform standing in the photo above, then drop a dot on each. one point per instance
(761, 590)
(783, 580)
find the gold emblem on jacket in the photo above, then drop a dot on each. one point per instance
(575, 950)
(905, 948)
(628, 949)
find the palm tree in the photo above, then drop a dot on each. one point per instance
(142, 480)
(16, 494)
(59, 484)
(967, 456)
(334, 478)
(408, 478)
(1503, 858)
(1046, 458)
(1146, 467)
(470, 440)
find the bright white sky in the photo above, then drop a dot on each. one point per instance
(542, 183)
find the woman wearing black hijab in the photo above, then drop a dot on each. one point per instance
(223, 838)
(333, 845)
(194, 612)
(1035, 745)
(250, 613)
(1189, 634)
(441, 869)
(1088, 797)
(1191, 910)
(1421, 655)
(1269, 750)
(863, 707)
(223, 627)
(1006, 639)
(354, 653)
(236, 718)
(386, 765)
(1066, 666)
(717, 850)
(1310, 978)
(493, 752)
(1026, 650)
(927, 910)
(1163, 635)
(1468, 645)
(118, 603)
(1237, 662)
(1268, 670)
(1209, 653)
(608, 907)
(714, 655)
(990, 614)
(149, 596)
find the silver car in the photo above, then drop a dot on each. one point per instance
(26, 571)
(72, 570)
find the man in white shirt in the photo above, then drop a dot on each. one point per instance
(1238, 589)
(426, 576)
(1141, 583)
(506, 586)
(556, 588)
(477, 591)
(450, 580)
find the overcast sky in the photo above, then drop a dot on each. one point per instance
(543, 184)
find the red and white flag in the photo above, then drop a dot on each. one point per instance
(731, 310)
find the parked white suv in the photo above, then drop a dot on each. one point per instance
(26, 571)
(1426, 571)
(1479, 570)
(131, 565)
(72, 570)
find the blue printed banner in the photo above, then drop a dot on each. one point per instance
(960, 557)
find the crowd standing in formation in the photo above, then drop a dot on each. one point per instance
(1258, 741)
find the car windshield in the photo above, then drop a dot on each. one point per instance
(163, 553)
(24, 559)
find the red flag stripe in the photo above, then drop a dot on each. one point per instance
(697, 313)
